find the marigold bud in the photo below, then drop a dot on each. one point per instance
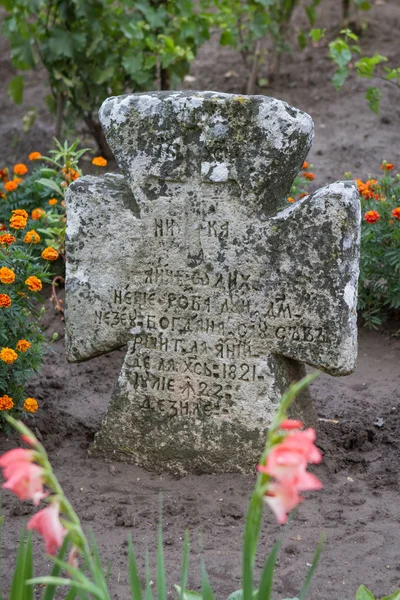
(31, 405)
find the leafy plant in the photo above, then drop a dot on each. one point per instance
(346, 54)
(41, 193)
(379, 282)
(90, 578)
(92, 49)
(22, 342)
(245, 23)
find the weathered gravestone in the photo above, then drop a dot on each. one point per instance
(219, 288)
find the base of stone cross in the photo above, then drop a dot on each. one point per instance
(157, 434)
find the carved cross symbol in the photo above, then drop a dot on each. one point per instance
(219, 288)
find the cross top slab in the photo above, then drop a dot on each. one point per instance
(194, 259)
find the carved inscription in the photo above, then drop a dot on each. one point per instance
(198, 335)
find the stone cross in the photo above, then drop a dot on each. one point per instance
(218, 287)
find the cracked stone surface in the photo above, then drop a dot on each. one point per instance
(220, 290)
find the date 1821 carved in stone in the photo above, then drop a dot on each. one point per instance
(220, 290)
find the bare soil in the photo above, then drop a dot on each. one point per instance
(359, 428)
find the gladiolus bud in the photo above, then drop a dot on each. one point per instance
(47, 523)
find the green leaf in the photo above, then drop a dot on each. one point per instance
(267, 577)
(63, 44)
(251, 535)
(51, 590)
(340, 52)
(46, 172)
(187, 594)
(132, 62)
(206, 590)
(340, 77)
(101, 75)
(22, 53)
(136, 588)
(373, 95)
(16, 89)
(238, 595)
(366, 65)
(161, 584)
(302, 39)
(317, 34)
(311, 571)
(185, 563)
(18, 583)
(394, 596)
(51, 184)
(226, 38)
(311, 14)
(87, 586)
(149, 593)
(364, 594)
(363, 4)
(28, 569)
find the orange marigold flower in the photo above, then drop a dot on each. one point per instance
(396, 213)
(309, 176)
(32, 237)
(17, 180)
(5, 301)
(31, 405)
(23, 345)
(17, 222)
(367, 189)
(7, 275)
(35, 156)
(3, 227)
(20, 169)
(4, 174)
(8, 355)
(70, 174)
(38, 213)
(6, 403)
(290, 199)
(20, 212)
(387, 166)
(372, 216)
(7, 238)
(52, 201)
(34, 283)
(305, 165)
(10, 186)
(49, 253)
(99, 161)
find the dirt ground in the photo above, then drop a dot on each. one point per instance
(359, 507)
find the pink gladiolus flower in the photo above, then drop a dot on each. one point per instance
(292, 455)
(23, 477)
(47, 523)
(287, 464)
(291, 424)
(303, 442)
(282, 498)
